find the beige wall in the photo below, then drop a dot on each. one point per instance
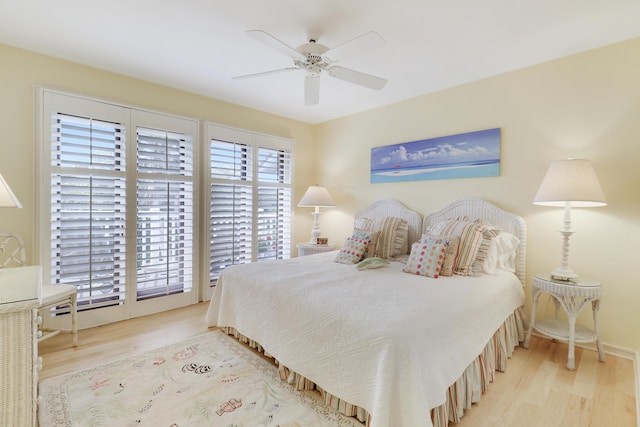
(587, 105)
(21, 71)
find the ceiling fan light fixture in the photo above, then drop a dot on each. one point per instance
(313, 70)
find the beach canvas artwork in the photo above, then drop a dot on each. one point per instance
(465, 155)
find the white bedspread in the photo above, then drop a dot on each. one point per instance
(381, 339)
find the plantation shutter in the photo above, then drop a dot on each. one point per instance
(231, 205)
(88, 208)
(164, 194)
(274, 204)
(250, 198)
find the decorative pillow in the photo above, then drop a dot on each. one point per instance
(364, 223)
(489, 232)
(373, 245)
(352, 251)
(362, 234)
(450, 258)
(470, 234)
(427, 257)
(373, 262)
(391, 237)
(372, 237)
(502, 254)
(403, 239)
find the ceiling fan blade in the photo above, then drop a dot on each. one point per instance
(355, 46)
(276, 44)
(352, 76)
(312, 90)
(265, 73)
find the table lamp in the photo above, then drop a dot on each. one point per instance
(316, 197)
(569, 183)
(7, 198)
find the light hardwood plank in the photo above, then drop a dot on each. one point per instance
(115, 341)
(537, 389)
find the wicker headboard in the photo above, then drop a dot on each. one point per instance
(388, 207)
(478, 208)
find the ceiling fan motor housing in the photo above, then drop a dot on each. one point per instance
(313, 63)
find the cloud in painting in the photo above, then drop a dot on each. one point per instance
(475, 147)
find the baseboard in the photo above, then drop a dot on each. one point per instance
(637, 366)
(615, 350)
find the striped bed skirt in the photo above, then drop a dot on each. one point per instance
(464, 392)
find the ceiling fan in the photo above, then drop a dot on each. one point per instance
(314, 58)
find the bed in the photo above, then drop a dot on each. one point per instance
(387, 347)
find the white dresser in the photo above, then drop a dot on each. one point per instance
(19, 363)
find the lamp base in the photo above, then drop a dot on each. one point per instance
(564, 274)
(315, 230)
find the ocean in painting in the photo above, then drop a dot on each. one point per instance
(467, 155)
(418, 173)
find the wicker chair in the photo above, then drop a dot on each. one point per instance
(12, 254)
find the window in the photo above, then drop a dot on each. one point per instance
(164, 247)
(250, 198)
(274, 204)
(117, 210)
(118, 205)
(88, 192)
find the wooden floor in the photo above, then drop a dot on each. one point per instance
(537, 389)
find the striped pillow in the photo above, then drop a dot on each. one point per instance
(364, 223)
(391, 237)
(489, 233)
(403, 238)
(470, 234)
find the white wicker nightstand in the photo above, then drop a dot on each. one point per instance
(572, 297)
(19, 300)
(309, 249)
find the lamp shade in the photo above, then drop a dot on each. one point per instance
(7, 198)
(573, 181)
(316, 196)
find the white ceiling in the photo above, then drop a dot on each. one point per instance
(199, 45)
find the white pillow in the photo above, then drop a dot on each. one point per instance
(502, 254)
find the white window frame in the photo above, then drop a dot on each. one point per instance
(133, 118)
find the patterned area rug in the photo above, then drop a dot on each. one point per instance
(208, 380)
